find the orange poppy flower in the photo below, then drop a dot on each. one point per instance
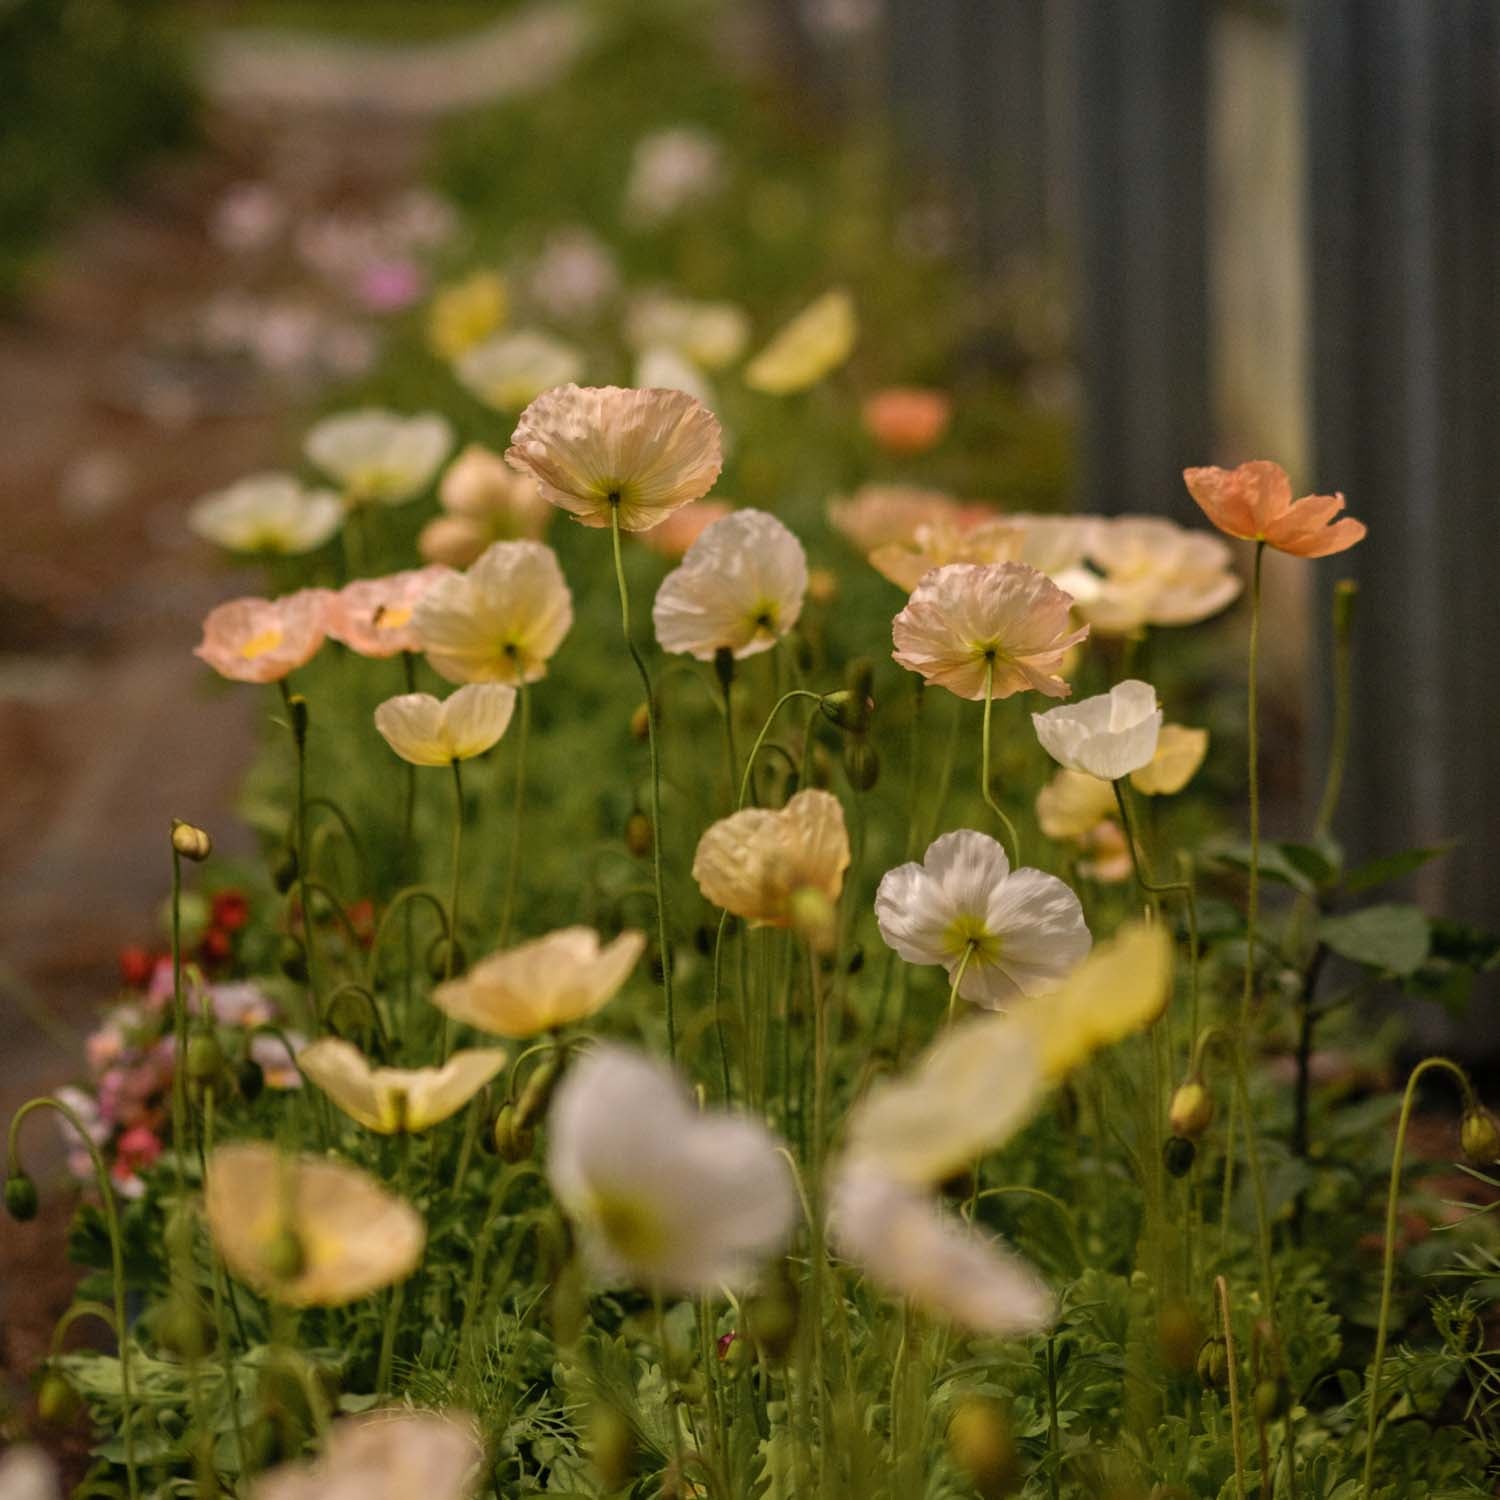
(1255, 502)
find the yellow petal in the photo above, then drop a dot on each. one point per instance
(815, 343)
(1179, 753)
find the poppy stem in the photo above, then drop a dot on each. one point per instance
(452, 945)
(508, 911)
(984, 768)
(662, 941)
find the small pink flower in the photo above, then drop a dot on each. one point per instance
(138, 1147)
(261, 640)
(390, 285)
(104, 1048)
(907, 419)
(373, 616)
(672, 537)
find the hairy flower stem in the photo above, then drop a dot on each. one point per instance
(508, 911)
(1221, 1287)
(116, 1263)
(179, 1032)
(984, 768)
(652, 729)
(409, 859)
(1054, 1439)
(398, 1292)
(817, 1161)
(1388, 1267)
(1252, 899)
(221, 1322)
(451, 946)
(296, 708)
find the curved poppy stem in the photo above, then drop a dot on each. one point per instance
(984, 768)
(760, 739)
(652, 728)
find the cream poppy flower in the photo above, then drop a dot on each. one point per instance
(672, 537)
(384, 1455)
(306, 1230)
(267, 513)
(877, 515)
(1016, 933)
(598, 450)
(659, 1192)
(466, 313)
(396, 1101)
(814, 344)
(428, 731)
(969, 1093)
(1054, 545)
(753, 862)
(507, 372)
(1156, 573)
(667, 370)
(936, 544)
(711, 334)
(1109, 735)
(1073, 804)
(1254, 502)
(907, 419)
(1179, 753)
(910, 1248)
(499, 622)
(378, 457)
(1122, 987)
(740, 586)
(484, 500)
(965, 621)
(261, 640)
(373, 616)
(542, 985)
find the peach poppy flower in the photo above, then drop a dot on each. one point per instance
(754, 862)
(428, 731)
(740, 586)
(813, 344)
(305, 1230)
(1156, 573)
(543, 984)
(373, 616)
(499, 622)
(965, 620)
(673, 537)
(935, 544)
(878, 515)
(1054, 545)
(1106, 856)
(1254, 502)
(484, 500)
(261, 640)
(397, 1101)
(1073, 804)
(599, 450)
(907, 419)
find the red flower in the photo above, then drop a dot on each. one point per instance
(216, 948)
(230, 909)
(136, 965)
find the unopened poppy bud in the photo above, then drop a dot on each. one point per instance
(285, 1257)
(640, 722)
(296, 706)
(191, 843)
(611, 1447)
(512, 1144)
(771, 1319)
(205, 1057)
(537, 1094)
(861, 764)
(1177, 1154)
(179, 1328)
(1213, 1363)
(982, 1447)
(284, 871)
(845, 710)
(20, 1197)
(724, 667)
(1192, 1110)
(638, 834)
(1345, 596)
(250, 1078)
(437, 959)
(1181, 1335)
(179, 1234)
(1270, 1399)
(57, 1402)
(813, 918)
(292, 958)
(1479, 1135)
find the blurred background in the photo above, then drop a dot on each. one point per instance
(1170, 232)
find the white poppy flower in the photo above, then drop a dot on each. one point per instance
(267, 513)
(666, 370)
(509, 371)
(379, 457)
(905, 1244)
(499, 622)
(1108, 736)
(740, 585)
(659, 1192)
(430, 731)
(1156, 573)
(1022, 930)
(968, 1093)
(711, 334)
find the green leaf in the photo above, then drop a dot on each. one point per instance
(1274, 864)
(1393, 939)
(1321, 862)
(1390, 867)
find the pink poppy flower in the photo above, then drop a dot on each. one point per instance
(373, 616)
(261, 640)
(907, 419)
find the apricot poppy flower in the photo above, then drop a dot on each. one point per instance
(396, 1101)
(673, 537)
(877, 515)
(484, 500)
(261, 640)
(465, 313)
(935, 544)
(907, 419)
(1005, 624)
(1254, 502)
(429, 731)
(600, 450)
(1179, 753)
(373, 616)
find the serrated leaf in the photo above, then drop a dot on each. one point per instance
(1390, 938)
(1390, 867)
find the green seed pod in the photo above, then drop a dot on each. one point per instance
(179, 1328)
(284, 1257)
(284, 871)
(21, 1200)
(293, 959)
(1213, 1363)
(512, 1144)
(205, 1057)
(179, 1234)
(57, 1402)
(1177, 1153)
(861, 764)
(1181, 1336)
(1270, 1399)
(1479, 1135)
(638, 836)
(771, 1318)
(537, 1094)
(437, 959)
(982, 1447)
(640, 722)
(1191, 1111)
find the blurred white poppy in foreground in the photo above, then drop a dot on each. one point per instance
(393, 1101)
(660, 1193)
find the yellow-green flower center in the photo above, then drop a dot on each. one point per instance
(627, 1221)
(967, 933)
